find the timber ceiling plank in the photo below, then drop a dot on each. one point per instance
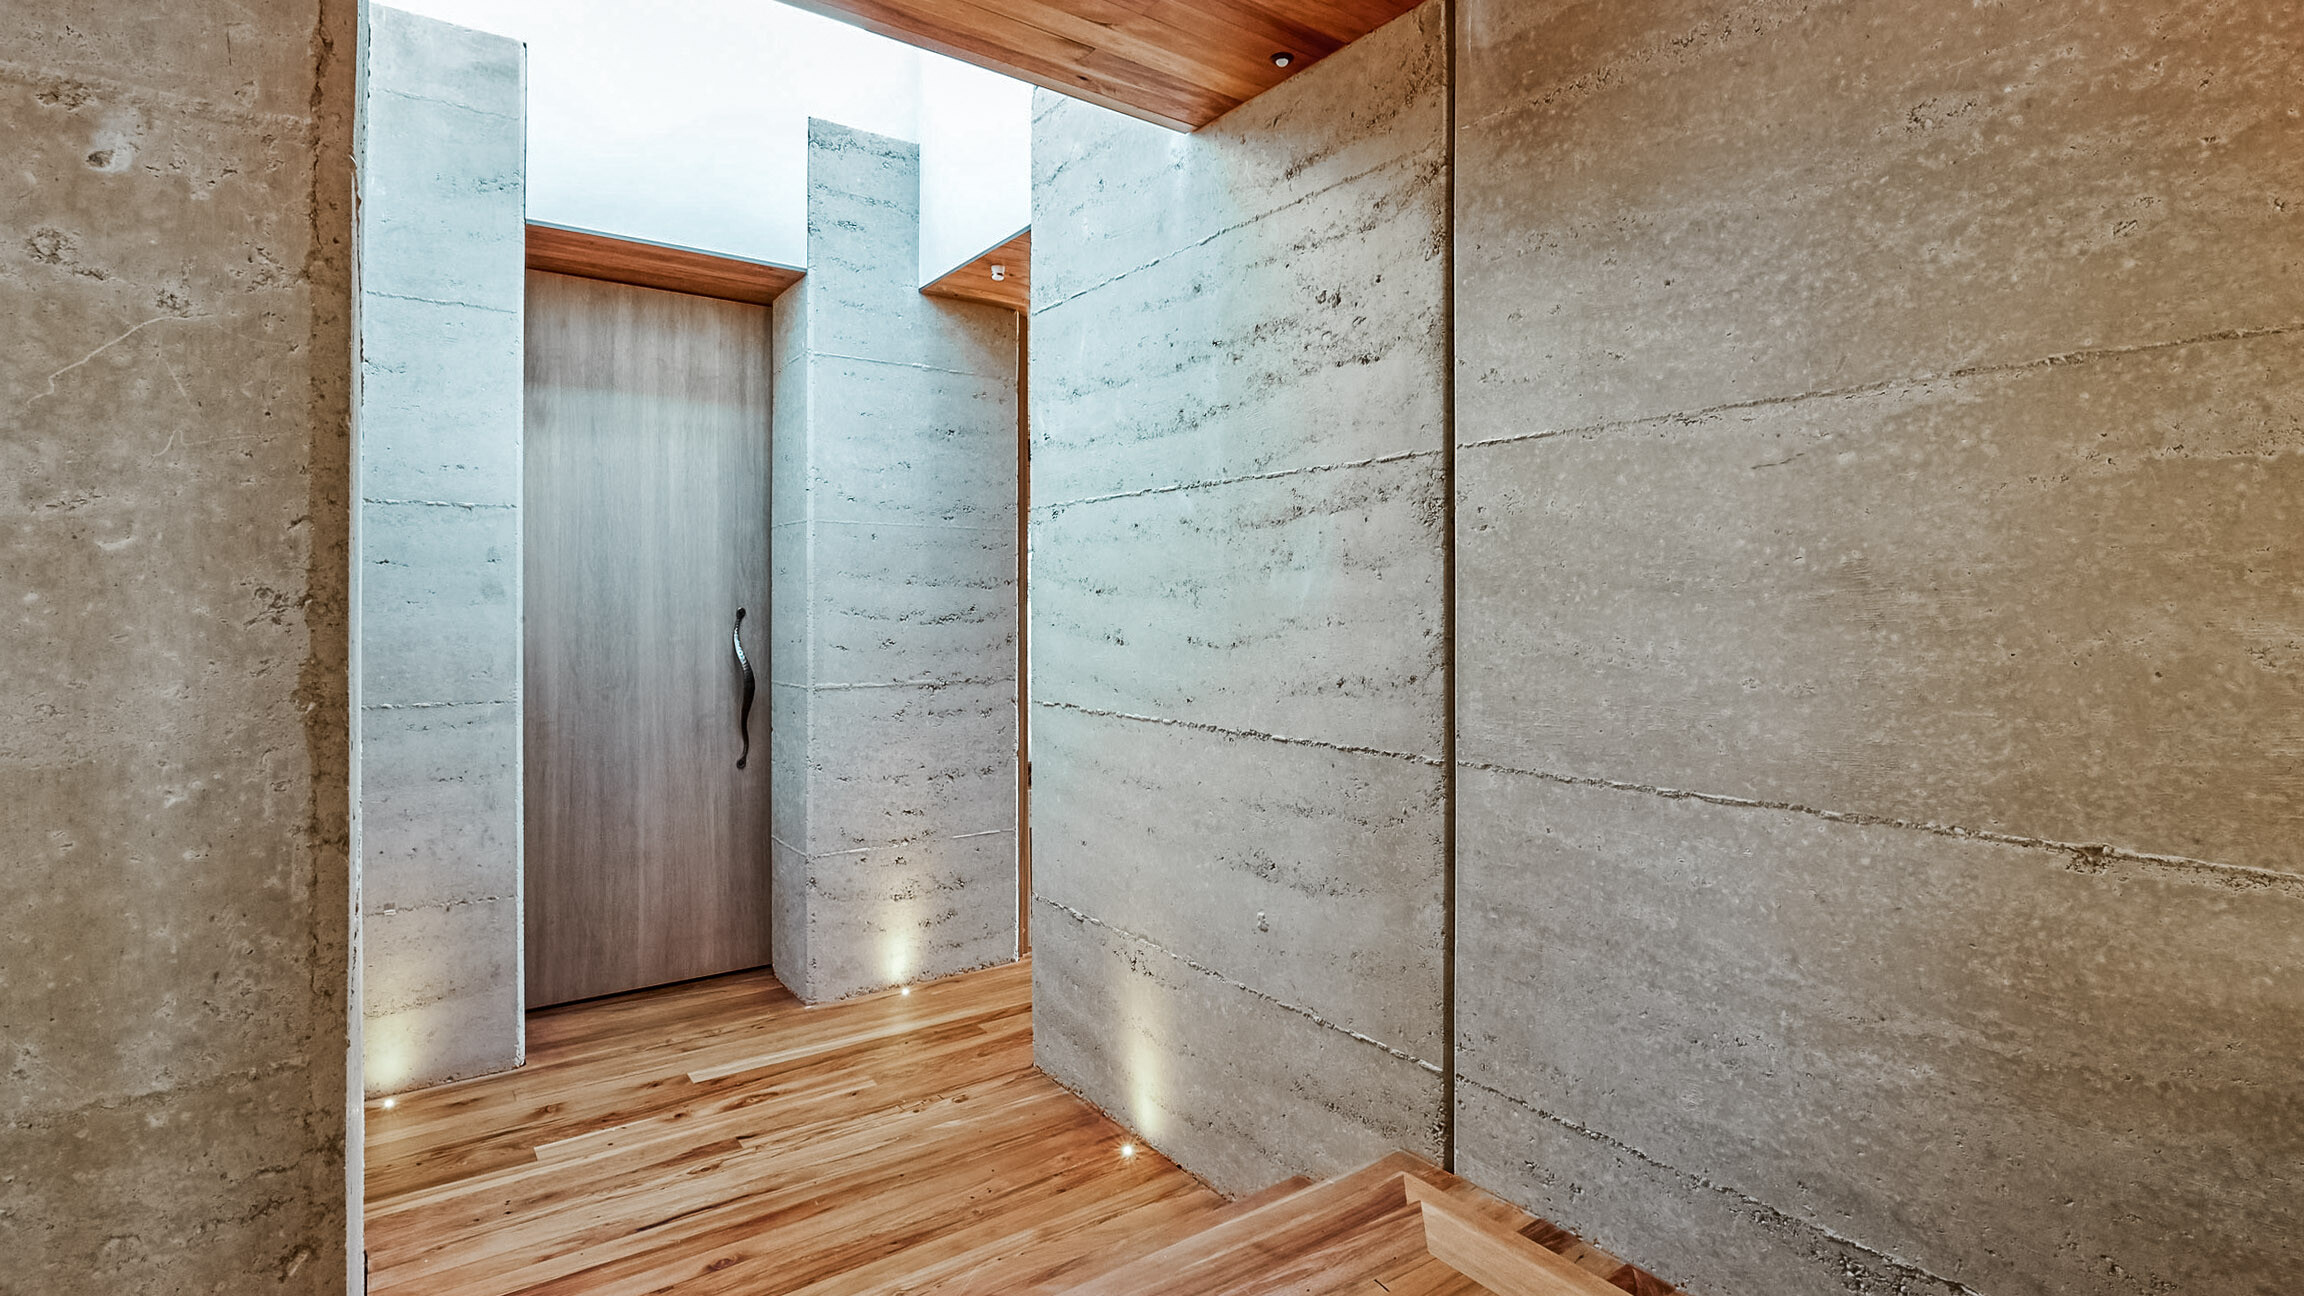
(1125, 40)
(1033, 54)
(1181, 63)
(1255, 32)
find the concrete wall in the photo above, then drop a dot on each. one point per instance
(442, 250)
(1236, 568)
(1882, 595)
(175, 499)
(893, 627)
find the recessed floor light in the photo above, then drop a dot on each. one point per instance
(1127, 1149)
(390, 1103)
(905, 991)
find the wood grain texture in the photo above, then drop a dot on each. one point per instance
(1181, 63)
(974, 281)
(1398, 1225)
(719, 1137)
(560, 250)
(1492, 1253)
(894, 1142)
(646, 517)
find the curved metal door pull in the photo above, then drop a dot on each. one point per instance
(743, 717)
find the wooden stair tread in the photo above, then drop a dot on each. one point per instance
(1397, 1225)
(1248, 1244)
(1493, 1254)
(1264, 1197)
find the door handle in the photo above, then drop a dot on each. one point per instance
(744, 716)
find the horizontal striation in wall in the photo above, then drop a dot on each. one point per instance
(440, 597)
(1879, 554)
(443, 291)
(439, 803)
(911, 763)
(1945, 1051)
(442, 996)
(1190, 1057)
(1679, 206)
(892, 663)
(880, 428)
(2046, 602)
(921, 602)
(1305, 605)
(1237, 596)
(1116, 198)
(420, 404)
(1240, 863)
(915, 909)
(1283, 348)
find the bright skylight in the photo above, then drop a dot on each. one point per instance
(686, 122)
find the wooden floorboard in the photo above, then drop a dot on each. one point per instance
(1371, 1232)
(722, 1137)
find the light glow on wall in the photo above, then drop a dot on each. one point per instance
(1144, 1025)
(898, 954)
(390, 1055)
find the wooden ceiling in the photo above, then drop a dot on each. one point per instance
(975, 282)
(1182, 63)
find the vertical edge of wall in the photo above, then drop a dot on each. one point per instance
(442, 287)
(1238, 540)
(790, 664)
(1882, 457)
(893, 545)
(518, 378)
(355, 944)
(175, 308)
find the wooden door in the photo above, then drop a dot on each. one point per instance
(647, 529)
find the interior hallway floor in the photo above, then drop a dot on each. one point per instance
(720, 1136)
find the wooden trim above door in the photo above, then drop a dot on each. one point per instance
(585, 254)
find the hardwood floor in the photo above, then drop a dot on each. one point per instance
(720, 1137)
(1374, 1232)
